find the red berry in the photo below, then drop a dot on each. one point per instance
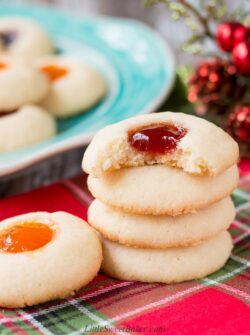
(241, 57)
(241, 34)
(238, 124)
(247, 34)
(229, 34)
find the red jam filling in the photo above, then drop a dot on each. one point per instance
(156, 138)
(25, 236)
(54, 72)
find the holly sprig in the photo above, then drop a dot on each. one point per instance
(201, 19)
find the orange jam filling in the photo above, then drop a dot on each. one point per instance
(54, 72)
(25, 236)
(2, 65)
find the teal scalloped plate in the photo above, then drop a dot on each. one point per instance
(136, 62)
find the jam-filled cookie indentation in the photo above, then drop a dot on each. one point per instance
(156, 138)
(2, 66)
(25, 236)
(8, 37)
(54, 72)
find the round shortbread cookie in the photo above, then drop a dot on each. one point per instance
(75, 85)
(28, 125)
(20, 84)
(70, 260)
(147, 231)
(203, 148)
(23, 38)
(160, 190)
(171, 265)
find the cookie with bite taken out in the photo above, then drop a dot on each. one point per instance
(189, 143)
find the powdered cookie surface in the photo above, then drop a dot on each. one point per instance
(75, 86)
(44, 256)
(174, 139)
(161, 231)
(28, 125)
(159, 189)
(170, 265)
(20, 84)
(23, 38)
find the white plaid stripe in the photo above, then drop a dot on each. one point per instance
(241, 225)
(33, 321)
(95, 318)
(161, 302)
(241, 194)
(227, 288)
(100, 322)
(24, 316)
(30, 317)
(239, 238)
(240, 260)
(242, 207)
(78, 192)
(146, 307)
(61, 304)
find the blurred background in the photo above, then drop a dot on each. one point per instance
(158, 16)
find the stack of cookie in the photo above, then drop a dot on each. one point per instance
(163, 184)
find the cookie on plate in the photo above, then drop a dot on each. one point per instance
(174, 139)
(171, 265)
(75, 85)
(23, 38)
(150, 231)
(159, 189)
(45, 256)
(27, 125)
(20, 84)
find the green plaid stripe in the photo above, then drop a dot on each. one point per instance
(239, 262)
(72, 317)
(84, 313)
(19, 327)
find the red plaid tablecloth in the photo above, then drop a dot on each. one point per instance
(216, 305)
